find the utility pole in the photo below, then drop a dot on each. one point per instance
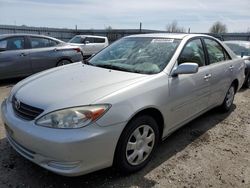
(189, 30)
(140, 26)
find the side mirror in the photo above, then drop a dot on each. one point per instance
(242, 54)
(186, 68)
(86, 42)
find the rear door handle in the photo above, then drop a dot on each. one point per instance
(23, 54)
(207, 77)
(231, 68)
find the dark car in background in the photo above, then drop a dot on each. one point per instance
(242, 49)
(23, 54)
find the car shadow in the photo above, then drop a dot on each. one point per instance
(20, 171)
(243, 89)
(10, 82)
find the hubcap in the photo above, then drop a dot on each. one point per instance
(140, 145)
(230, 97)
(63, 62)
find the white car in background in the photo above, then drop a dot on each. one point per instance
(89, 44)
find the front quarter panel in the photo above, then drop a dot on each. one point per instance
(126, 103)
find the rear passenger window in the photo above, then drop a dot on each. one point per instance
(39, 42)
(52, 43)
(216, 53)
(99, 40)
(89, 40)
(193, 52)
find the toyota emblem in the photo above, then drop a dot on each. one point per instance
(17, 104)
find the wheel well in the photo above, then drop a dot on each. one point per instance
(236, 84)
(154, 113)
(64, 59)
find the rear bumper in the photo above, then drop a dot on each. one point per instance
(66, 152)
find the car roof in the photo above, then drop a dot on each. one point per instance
(25, 34)
(237, 41)
(91, 36)
(169, 35)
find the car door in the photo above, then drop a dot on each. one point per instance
(221, 67)
(14, 60)
(89, 46)
(98, 44)
(189, 92)
(43, 53)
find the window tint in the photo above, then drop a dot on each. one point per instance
(99, 40)
(39, 42)
(13, 43)
(215, 51)
(193, 52)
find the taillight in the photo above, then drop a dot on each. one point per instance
(77, 50)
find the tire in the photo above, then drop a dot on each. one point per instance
(228, 101)
(248, 82)
(63, 62)
(135, 149)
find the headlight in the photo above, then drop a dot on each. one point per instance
(73, 117)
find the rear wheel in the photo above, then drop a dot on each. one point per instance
(136, 144)
(63, 62)
(228, 101)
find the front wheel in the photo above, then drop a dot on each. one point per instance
(63, 62)
(228, 101)
(136, 144)
(248, 81)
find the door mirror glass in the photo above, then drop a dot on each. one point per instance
(186, 68)
(242, 54)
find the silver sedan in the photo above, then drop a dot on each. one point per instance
(26, 54)
(115, 108)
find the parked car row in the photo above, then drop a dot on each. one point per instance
(242, 49)
(23, 54)
(115, 108)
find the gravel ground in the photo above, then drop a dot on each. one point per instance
(211, 151)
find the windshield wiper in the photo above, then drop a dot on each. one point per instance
(86, 62)
(113, 67)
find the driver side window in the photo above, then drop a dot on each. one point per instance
(193, 53)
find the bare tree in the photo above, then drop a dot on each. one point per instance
(218, 27)
(109, 28)
(174, 28)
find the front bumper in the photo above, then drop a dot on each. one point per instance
(67, 152)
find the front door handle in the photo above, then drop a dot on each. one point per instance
(207, 77)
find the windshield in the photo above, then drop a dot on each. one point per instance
(140, 55)
(76, 39)
(240, 49)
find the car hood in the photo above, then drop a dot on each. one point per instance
(73, 85)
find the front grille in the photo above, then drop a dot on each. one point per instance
(25, 111)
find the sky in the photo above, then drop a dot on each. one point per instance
(198, 15)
